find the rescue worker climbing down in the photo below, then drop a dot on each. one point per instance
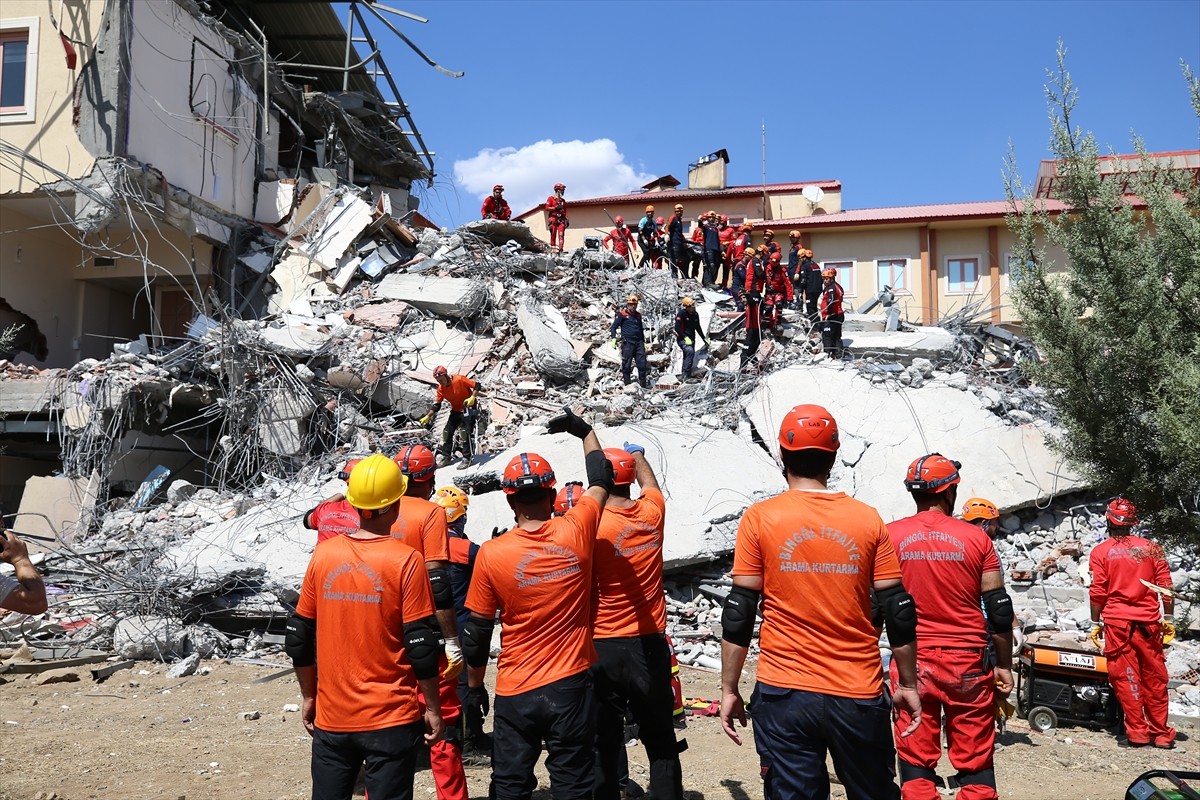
(462, 394)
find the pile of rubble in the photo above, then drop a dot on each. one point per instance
(354, 310)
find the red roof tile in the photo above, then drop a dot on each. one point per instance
(900, 214)
(684, 195)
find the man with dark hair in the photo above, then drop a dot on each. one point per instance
(539, 576)
(814, 556)
(951, 568)
(23, 591)
(362, 645)
(630, 621)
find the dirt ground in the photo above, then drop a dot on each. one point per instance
(141, 735)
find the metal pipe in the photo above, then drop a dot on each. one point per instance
(349, 44)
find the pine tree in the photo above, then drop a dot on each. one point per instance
(1118, 326)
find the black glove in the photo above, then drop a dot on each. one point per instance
(569, 422)
(476, 704)
(599, 470)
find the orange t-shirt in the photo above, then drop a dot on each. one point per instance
(422, 526)
(818, 553)
(541, 581)
(629, 569)
(361, 592)
(457, 392)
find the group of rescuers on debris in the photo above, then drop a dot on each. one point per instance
(393, 629)
(756, 277)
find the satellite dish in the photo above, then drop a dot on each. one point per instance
(813, 194)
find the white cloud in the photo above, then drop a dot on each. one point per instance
(528, 174)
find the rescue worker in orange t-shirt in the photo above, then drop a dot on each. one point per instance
(334, 516)
(462, 393)
(1127, 616)
(539, 576)
(950, 566)
(363, 648)
(630, 622)
(421, 524)
(556, 216)
(814, 556)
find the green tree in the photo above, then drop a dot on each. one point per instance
(1118, 326)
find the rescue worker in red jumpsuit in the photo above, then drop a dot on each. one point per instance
(620, 241)
(778, 292)
(950, 566)
(1126, 616)
(832, 314)
(556, 216)
(752, 292)
(495, 206)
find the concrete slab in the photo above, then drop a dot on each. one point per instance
(552, 352)
(341, 225)
(20, 396)
(903, 346)
(448, 297)
(56, 507)
(1009, 465)
(298, 341)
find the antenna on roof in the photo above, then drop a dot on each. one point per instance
(813, 194)
(764, 171)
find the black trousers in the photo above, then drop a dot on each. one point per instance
(831, 334)
(712, 260)
(633, 352)
(689, 358)
(462, 423)
(636, 673)
(561, 714)
(750, 347)
(810, 301)
(679, 255)
(389, 756)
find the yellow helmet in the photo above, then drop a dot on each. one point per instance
(375, 482)
(687, 301)
(454, 500)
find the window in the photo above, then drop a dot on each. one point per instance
(845, 276)
(18, 69)
(963, 274)
(892, 272)
(1014, 268)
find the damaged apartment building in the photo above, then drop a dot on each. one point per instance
(152, 154)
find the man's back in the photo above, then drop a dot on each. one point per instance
(942, 561)
(628, 569)
(818, 554)
(541, 581)
(1119, 565)
(422, 526)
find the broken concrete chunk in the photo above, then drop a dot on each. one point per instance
(552, 353)
(64, 675)
(460, 298)
(184, 667)
(149, 637)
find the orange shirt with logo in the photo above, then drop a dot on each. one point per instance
(628, 569)
(541, 582)
(457, 392)
(422, 526)
(333, 519)
(361, 592)
(818, 553)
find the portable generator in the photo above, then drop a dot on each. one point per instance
(1161, 784)
(1062, 684)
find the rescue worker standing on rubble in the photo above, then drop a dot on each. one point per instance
(811, 281)
(727, 234)
(677, 249)
(463, 394)
(620, 240)
(629, 624)
(495, 206)
(752, 295)
(712, 248)
(362, 646)
(539, 577)
(770, 243)
(793, 262)
(1126, 616)
(813, 556)
(647, 232)
(737, 249)
(687, 330)
(949, 566)
(778, 292)
(556, 216)
(832, 314)
(629, 331)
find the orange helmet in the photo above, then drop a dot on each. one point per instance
(931, 473)
(649, 209)
(793, 234)
(622, 464)
(416, 462)
(829, 272)
(1121, 513)
(809, 427)
(806, 253)
(527, 471)
(633, 298)
(746, 226)
(769, 232)
(344, 472)
(454, 500)
(568, 496)
(977, 508)
(618, 220)
(679, 206)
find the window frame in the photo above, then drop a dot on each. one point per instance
(849, 287)
(1006, 271)
(11, 29)
(907, 288)
(950, 290)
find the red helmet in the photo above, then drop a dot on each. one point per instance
(618, 220)
(560, 187)
(416, 462)
(809, 427)
(527, 471)
(659, 220)
(1121, 513)
(568, 496)
(724, 218)
(622, 464)
(931, 473)
(497, 188)
(439, 371)
(344, 473)
(776, 256)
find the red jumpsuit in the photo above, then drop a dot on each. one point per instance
(942, 562)
(778, 291)
(1133, 645)
(556, 219)
(445, 757)
(620, 240)
(727, 236)
(736, 249)
(495, 209)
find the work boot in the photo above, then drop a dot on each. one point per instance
(466, 462)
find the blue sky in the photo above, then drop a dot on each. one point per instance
(904, 103)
